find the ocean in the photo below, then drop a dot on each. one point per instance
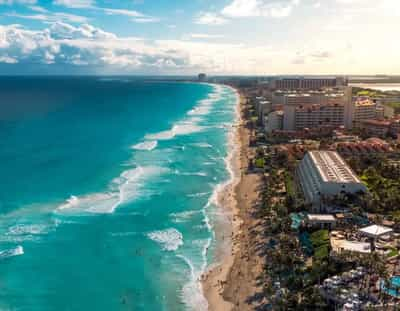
(379, 86)
(108, 192)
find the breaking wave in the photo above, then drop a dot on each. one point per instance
(169, 239)
(17, 251)
(124, 189)
(146, 145)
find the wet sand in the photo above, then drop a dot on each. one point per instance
(231, 284)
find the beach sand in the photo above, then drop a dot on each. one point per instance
(232, 283)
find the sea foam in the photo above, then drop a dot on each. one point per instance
(190, 124)
(124, 189)
(192, 293)
(169, 239)
(146, 145)
(17, 251)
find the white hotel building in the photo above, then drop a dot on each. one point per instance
(325, 174)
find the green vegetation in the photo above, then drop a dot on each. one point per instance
(370, 93)
(260, 163)
(393, 252)
(384, 194)
(320, 242)
(289, 183)
(395, 106)
(320, 237)
(358, 91)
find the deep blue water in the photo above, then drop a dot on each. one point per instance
(106, 196)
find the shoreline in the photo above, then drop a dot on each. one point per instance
(231, 282)
(224, 229)
(214, 280)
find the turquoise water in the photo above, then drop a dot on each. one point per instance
(394, 289)
(107, 193)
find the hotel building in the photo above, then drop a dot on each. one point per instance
(316, 109)
(274, 121)
(364, 109)
(306, 83)
(325, 174)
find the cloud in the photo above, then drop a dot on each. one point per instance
(260, 8)
(137, 17)
(86, 48)
(8, 60)
(146, 20)
(208, 18)
(61, 30)
(205, 36)
(37, 8)
(75, 4)
(302, 58)
(321, 54)
(11, 2)
(64, 44)
(51, 17)
(130, 13)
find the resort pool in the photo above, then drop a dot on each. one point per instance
(394, 288)
(297, 219)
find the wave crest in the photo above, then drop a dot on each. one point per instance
(17, 251)
(169, 239)
(124, 189)
(146, 145)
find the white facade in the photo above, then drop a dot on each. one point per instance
(325, 174)
(364, 110)
(274, 121)
(317, 109)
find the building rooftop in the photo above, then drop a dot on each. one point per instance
(332, 167)
(368, 102)
(352, 246)
(321, 217)
(375, 231)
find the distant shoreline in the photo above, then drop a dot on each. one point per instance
(384, 87)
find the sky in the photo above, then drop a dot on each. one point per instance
(180, 37)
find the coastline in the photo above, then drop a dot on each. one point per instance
(224, 229)
(220, 282)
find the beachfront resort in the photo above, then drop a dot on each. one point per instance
(328, 160)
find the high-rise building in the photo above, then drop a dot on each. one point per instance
(274, 121)
(316, 109)
(325, 174)
(202, 77)
(364, 109)
(312, 83)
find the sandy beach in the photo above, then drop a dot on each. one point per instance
(232, 283)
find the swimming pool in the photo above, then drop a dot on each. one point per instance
(394, 288)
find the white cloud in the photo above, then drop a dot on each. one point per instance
(260, 8)
(75, 3)
(61, 30)
(137, 17)
(37, 8)
(205, 36)
(85, 45)
(312, 57)
(130, 13)
(208, 18)
(84, 48)
(8, 60)
(10, 2)
(317, 5)
(146, 20)
(51, 17)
